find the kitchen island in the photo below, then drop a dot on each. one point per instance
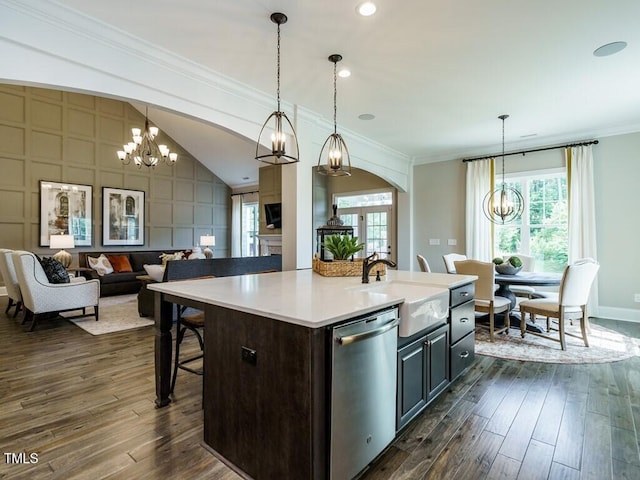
(266, 362)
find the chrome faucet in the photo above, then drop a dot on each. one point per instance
(369, 263)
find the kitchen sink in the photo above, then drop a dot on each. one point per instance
(423, 305)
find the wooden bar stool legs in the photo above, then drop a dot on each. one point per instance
(195, 323)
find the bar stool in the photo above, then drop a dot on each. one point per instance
(195, 323)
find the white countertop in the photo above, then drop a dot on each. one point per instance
(303, 297)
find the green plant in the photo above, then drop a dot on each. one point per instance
(498, 260)
(515, 261)
(342, 247)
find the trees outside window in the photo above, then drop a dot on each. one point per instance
(542, 231)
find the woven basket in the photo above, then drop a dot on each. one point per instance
(344, 268)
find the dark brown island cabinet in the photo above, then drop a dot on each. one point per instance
(267, 386)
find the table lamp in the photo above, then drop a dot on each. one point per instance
(62, 241)
(208, 241)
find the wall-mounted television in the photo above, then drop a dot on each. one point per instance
(273, 215)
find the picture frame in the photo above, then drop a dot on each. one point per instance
(66, 208)
(122, 216)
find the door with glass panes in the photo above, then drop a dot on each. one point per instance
(371, 216)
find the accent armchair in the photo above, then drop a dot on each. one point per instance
(10, 279)
(40, 297)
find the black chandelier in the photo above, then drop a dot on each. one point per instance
(335, 149)
(143, 149)
(503, 204)
(282, 131)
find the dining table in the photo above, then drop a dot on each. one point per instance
(532, 279)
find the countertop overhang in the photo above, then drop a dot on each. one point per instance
(302, 297)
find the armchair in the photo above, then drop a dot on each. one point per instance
(10, 279)
(40, 297)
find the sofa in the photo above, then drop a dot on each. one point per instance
(120, 283)
(202, 268)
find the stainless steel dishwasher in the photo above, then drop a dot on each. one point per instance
(363, 391)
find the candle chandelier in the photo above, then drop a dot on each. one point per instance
(144, 150)
(503, 204)
(334, 149)
(283, 134)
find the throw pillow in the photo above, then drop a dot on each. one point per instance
(100, 265)
(54, 270)
(171, 256)
(120, 263)
(155, 271)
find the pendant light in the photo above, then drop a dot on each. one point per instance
(334, 149)
(503, 204)
(283, 134)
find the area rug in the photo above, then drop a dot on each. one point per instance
(116, 314)
(605, 346)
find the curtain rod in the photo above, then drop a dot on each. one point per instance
(523, 152)
(244, 193)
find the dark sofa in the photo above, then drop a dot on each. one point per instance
(122, 282)
(214, 267)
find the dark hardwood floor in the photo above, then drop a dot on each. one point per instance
(85, 406)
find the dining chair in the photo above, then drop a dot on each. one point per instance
(528, 263)
(424, 265)
(570, 303)
(450, 259)
(485, 299)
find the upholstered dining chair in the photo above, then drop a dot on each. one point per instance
(528, 264)
(450, 259)
(424, 265)
(10, 279)
(485, 299)
(570, 303)
(40, 297)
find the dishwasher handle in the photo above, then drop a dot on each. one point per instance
(349, 339)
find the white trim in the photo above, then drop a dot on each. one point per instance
(615, 313)
(3, 291)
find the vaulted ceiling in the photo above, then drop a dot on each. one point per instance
(435, 74)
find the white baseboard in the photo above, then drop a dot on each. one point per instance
(3, 291)
(615, 313)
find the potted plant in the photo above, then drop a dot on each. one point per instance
(342, 247)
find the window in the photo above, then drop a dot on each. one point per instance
(371, 216)
(250, 229)
(542, 231)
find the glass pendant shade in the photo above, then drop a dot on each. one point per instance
(334, 156)
(504, 204)
(144, 150)
(278, 132)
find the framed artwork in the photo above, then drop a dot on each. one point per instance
(66, 208)
(122, 216)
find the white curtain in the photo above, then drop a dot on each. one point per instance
(582, 213)
(479, 230)
(236, 225)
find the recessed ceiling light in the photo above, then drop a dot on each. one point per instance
(366, 9)
(609, 49)
(344, 73)
(366, 116)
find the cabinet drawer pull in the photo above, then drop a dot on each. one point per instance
(464, 294)
(427, 343)
(464, 354)
(464, 320)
